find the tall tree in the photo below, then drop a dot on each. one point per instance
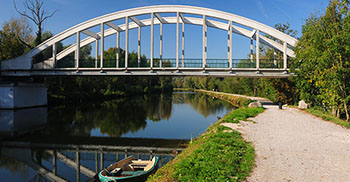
(37, 15)
(14, 36)
(324, 54)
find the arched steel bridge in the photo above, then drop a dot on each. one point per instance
(179, 66)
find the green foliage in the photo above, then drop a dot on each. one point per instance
(323, 59)
(14, 38)
(276, 89)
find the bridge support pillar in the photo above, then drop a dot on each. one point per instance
(22, 95)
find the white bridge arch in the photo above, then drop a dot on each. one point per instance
(24, 66)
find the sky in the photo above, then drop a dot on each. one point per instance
(269, 12)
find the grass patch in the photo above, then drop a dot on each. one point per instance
(216, 155)
(182, 89)
(243, 114)
(328, 117)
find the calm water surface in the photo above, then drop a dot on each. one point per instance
(48, 144)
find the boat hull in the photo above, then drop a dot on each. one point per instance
(141, 177)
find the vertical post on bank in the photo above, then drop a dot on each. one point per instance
(102, 44)
(257, 49)
(177, 40)
(229, 45)
(152, 40)
(126, 41)
(204, 42)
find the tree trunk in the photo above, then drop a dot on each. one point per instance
(346, 111)
(334, 111)
(38, 36)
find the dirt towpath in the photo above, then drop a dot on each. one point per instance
(292, 145)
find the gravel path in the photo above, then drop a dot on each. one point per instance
(295, 146)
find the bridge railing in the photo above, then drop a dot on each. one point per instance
(171, 63)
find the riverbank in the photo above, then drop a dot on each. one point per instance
(218, 154)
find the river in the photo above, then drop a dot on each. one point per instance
(44, 144)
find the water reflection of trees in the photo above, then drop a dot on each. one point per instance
(115, 118)
(13, 165)
(204, 104)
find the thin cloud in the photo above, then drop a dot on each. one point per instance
(282, 11)
(261, 7)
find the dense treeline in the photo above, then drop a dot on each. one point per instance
(323, 59)
(277, 90)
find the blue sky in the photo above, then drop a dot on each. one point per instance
(269, 12)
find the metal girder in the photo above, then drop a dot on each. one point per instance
(114, 26)
(183, 19)
(211, 23)
(137, 21)
(25, 61)
(91, 34)
(252, 33)
(161, 19)
(192, 20)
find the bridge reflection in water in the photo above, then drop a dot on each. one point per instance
(26, 146)
(68, 143)
(84, 156)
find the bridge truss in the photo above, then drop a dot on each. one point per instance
(179, 66)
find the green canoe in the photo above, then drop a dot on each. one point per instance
(129, 170)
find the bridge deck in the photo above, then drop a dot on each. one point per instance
(219, 72)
